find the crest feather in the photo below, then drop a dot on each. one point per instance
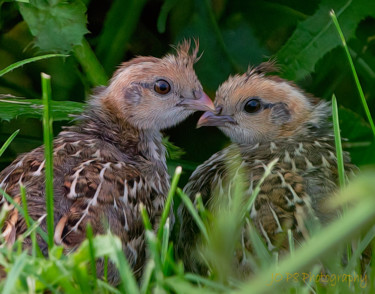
(264, 68)
(185, 53)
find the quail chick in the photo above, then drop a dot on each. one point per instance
(267, 118)
(113, 159)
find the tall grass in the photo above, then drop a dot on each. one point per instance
(339, 152)
(358, 84)
(75, 272)
(48, 154)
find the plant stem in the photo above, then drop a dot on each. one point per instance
(48, 153)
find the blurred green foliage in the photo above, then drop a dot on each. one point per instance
(98, 35)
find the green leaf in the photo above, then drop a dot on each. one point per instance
(56, 25)
(317, 35)
(25, 61)
(33, 108)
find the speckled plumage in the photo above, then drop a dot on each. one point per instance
(296, 132)
(112, 160)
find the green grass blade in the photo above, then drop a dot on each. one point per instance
(126, 273)
(201, 280)
(250, 202)
(25, 61)
(326, 241)
(21, 211)
(48, 154)
(154, 249)
(181, 286)
(145, 218)
(291, 242)
(370, 235)
(107, 287)
(14, 273)
(90, 237)
(146, 277)
(190, 207)
(34, 226)
(260, 248)
(339, 153)
(8, 141)
(169, 201)
(105, 270)
(35, 246)
(359, 87)
(165, 241)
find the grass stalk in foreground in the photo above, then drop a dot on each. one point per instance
(48, 154)
(34, 245)
(169, 201)
(359, 87)
(328, 239)
(22, 212)
(190, 207)
(339, 153)
(90, 237)
(8, 141)
(29, 60)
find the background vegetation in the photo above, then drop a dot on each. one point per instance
(97, 35)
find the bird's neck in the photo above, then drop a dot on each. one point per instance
(126, 137)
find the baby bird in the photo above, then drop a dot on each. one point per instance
(113, 159)
(268, 118)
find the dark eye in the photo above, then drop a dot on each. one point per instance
(253, 106)
(162, 87)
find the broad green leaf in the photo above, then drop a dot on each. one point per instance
(33, 108)
(317, 35)
(56, 25)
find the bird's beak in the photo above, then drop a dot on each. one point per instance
(210, 119)
(203, 103)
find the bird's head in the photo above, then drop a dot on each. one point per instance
(256, 107)
(156, 93)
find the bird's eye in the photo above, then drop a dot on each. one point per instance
(162, 87)
(253, 105)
